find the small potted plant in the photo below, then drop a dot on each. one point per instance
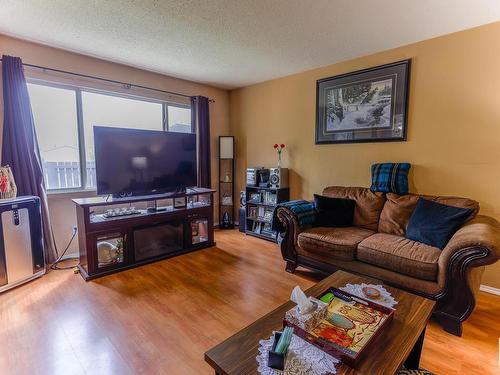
(279, 148)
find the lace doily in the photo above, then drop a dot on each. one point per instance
(385, 298)
(302, 358)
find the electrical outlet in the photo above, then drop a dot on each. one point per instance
(75, 229)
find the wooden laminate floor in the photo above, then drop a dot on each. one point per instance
(161, 318)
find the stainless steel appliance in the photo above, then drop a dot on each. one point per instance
(21, 241)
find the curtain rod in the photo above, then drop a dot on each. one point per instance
(125, 84)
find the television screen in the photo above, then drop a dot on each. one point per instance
(141, 162)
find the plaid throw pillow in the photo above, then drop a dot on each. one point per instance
(390, 177)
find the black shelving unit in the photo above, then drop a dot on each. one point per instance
(260, 205)
(226, 181)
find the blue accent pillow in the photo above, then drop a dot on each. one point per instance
(435, 223)
(390, 177)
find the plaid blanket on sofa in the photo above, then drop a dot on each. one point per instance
(304, 212)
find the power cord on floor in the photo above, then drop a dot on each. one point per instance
(60, 258)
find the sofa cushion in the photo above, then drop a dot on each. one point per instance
(334, 243)
(333, 212)
(369, 204)
(401, 255)
(397, 210)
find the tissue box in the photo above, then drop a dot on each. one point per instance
(307, 321)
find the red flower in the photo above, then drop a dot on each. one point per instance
(4, 184)
(276, 145)
(282, 145)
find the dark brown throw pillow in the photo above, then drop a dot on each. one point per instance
(333, 212)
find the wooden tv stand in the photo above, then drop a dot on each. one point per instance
(113, 244)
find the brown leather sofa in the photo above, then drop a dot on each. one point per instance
(375, 246)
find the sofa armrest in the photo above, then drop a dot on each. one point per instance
(461, 265)
(477, 242)
(292, 229)
(290, 223)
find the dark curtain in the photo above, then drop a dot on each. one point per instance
(19, 144)
(201, 124)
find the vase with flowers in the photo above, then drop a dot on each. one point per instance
(279, 148)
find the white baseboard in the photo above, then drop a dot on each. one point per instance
(490, 289)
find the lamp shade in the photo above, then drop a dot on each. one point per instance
(226, 147)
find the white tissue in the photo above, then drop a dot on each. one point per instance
(302, 301)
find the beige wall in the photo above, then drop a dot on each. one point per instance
(454, 116)
(453, 127)
(61, 207)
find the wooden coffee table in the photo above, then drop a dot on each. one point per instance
(400, 344)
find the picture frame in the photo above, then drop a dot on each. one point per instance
(252, 212)
(369, 105)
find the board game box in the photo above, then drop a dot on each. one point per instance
(349, 327)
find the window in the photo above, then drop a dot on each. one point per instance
(179, 119)
(55, 115)
(66, 140)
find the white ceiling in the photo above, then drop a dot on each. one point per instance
(234, 43)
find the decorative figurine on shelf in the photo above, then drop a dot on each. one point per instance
(194, 228)
(279, 148)
(119, 250)
(227, 200)
(225, 221)
(107, 253)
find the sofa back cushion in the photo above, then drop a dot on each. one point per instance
(398, 209)
(369, 204)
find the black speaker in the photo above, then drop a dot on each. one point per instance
(279, 177)
(243, 199)
(242, 223)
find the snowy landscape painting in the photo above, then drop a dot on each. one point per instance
(365, 105)
(368, 105)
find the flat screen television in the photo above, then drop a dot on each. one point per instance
(143, 162)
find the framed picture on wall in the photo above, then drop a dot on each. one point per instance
(368, 105)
